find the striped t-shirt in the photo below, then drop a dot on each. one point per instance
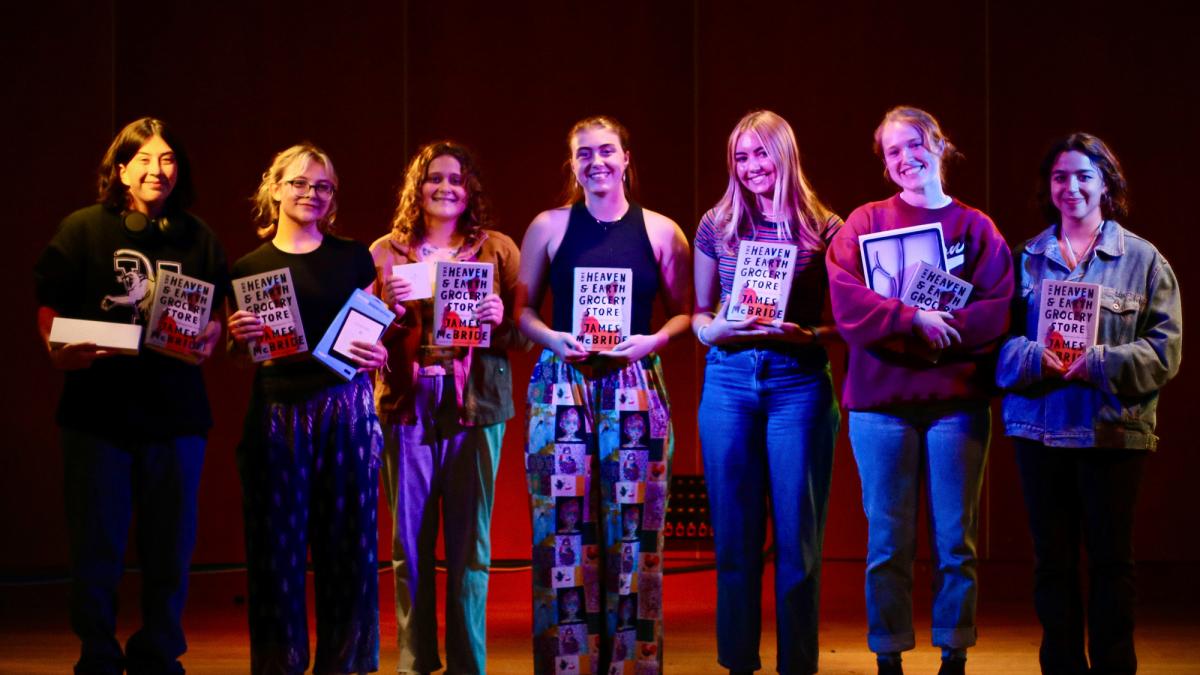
(809, 283)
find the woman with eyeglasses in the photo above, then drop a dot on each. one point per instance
(310, 450)
(1084, 428)
(768, 415)
(443, 409)
(917, 388)
(611, 556)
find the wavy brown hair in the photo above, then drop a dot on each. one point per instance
(1114, 203)
(572, 192)
(408, 223)
(266, 208)
(114, 194)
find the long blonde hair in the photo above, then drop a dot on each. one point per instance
(266, 208)
(799, 215)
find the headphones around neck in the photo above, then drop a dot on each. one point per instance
(140, 226)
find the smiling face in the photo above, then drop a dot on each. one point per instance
(304, 208)
(910, 162)
(150, 176)
(1077, 188)
(598, 160)
(444, 191)
(754, 166)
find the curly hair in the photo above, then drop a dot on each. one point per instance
(801, 215)
(408, 223)
(572, 192)
(926, 125)
(1114, 203)
(266, 207)
(114, 194)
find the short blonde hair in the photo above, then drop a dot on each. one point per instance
(266, 208)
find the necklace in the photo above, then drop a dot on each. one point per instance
(1071, 259)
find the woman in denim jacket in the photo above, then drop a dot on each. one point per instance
(1083, 426)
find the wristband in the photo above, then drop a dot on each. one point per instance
(700, 335)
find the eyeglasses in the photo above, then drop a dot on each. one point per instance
(300, 186)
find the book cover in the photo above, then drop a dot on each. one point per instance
(602, 306)
(890, 259)
(460, 286)
(179, 314)
(272, 297)
(762, 282)
(1068, 317)
(936, 290)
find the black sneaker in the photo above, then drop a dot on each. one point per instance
(953, 667)
(890, 667)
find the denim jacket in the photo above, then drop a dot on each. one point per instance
(1137, 350)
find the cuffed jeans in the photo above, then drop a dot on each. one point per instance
(105, 482)
(945, 446)
(768, 421)
(1090, 493)
(437, 460)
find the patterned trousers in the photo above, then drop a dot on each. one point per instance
(598, 465)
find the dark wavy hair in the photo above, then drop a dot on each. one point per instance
(114, 194)
(572, 192)
(1114, 203)
(408, 223)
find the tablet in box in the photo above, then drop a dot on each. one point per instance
(364, 317)
(124, 338)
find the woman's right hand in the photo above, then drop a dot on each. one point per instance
(934, 329)
(77, 355)
(721, 331)
(395, 291)
(567, 348)
(244, 326)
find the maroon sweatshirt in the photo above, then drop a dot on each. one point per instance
(889, 364)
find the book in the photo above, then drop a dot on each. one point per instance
(364, 317)
(936, 290)
(762, 282)
(179, 314)
(890, 259)
(124, 338)
(420, 275)
(602, 306)
(460, 286)
(272, 297)
(1068, 318)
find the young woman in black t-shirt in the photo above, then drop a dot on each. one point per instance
(309, 456)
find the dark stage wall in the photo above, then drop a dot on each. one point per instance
(370, 82)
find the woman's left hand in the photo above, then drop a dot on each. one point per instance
(788, 332)
(1078, 369)
(208, 340)
(632, 349)
(370, 355)
(490, 310)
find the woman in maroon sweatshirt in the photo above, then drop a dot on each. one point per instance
(917, 386)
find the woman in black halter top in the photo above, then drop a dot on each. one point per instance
(598, 408)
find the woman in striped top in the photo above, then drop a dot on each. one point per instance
(768, 415)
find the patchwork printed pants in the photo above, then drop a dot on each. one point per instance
(598, 466)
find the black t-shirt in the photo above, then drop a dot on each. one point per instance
(95, 269)
(324, 279)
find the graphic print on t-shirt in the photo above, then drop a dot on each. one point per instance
(132, 269)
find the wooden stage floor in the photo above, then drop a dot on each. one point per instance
(35, 637)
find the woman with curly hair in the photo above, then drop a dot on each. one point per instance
(620, 534)
(1084, 429)
(443, 409)
(768, 415)
(309, 455)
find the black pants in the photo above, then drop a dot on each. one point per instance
(1090, 492)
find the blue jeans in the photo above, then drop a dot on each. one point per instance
(438, 461)
(945, 445)
(768, 421)
(105, 483)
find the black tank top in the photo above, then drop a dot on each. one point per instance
(593, 243)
